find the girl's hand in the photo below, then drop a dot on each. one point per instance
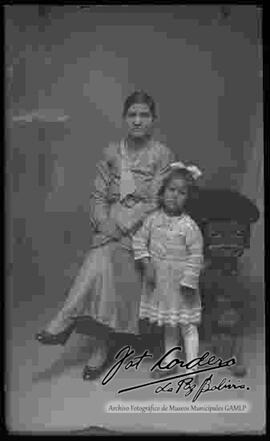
(189, 295)
(187, 291)
(149, 272)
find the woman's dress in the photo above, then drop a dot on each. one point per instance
(107, 288)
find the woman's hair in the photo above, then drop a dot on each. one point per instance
(140, 97)
(180, 173)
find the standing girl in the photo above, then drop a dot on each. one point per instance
(170, 247)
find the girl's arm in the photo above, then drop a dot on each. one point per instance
(194, 260)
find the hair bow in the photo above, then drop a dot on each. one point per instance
(193, 169)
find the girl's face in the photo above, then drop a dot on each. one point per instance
(175, 195)
(139, 120)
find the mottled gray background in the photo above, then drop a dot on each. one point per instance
(68, 71)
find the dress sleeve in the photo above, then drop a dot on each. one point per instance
(99, 206)
(140, 240)
(194, 260)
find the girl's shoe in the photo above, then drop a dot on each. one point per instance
(157, 374)
(46, 338)
(195, 377)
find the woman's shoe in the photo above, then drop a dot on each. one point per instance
(46, 338)
(92, 373)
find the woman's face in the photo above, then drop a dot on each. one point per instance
(139, 120)
(175, 195)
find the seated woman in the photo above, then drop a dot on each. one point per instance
(106, 291)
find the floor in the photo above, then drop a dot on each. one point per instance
(46, 394)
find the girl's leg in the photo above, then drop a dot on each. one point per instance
(171, 339)
(191, 342)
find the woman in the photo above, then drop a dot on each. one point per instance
(106, 291)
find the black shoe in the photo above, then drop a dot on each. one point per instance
(46, 338)
(94, 372)
(91, 373)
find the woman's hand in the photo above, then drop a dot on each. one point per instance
(110, 229)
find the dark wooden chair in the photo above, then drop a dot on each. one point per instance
(225, 218)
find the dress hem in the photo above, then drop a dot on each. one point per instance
(101, 322)
(196, 322)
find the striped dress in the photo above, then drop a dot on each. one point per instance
(175, 245)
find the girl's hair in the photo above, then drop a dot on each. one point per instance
(140, 97)
(181, 173)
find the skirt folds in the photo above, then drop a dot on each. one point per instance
(167, 303)
(108, 290)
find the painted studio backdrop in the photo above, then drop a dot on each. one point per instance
(68, 71)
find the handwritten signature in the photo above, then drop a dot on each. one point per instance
(204, 363)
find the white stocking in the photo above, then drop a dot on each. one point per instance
(191, 341)
(171, 335)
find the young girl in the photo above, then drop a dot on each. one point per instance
(170, 248)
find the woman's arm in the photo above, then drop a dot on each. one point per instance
(165, 157)
(99, 205)
(140, 243)
(194, 261)
(130, 220)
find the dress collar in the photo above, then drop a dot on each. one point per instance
(178, 217)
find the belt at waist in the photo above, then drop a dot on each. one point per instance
(131, 200)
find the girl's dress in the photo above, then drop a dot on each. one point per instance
(175, 245)
(107, 288)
